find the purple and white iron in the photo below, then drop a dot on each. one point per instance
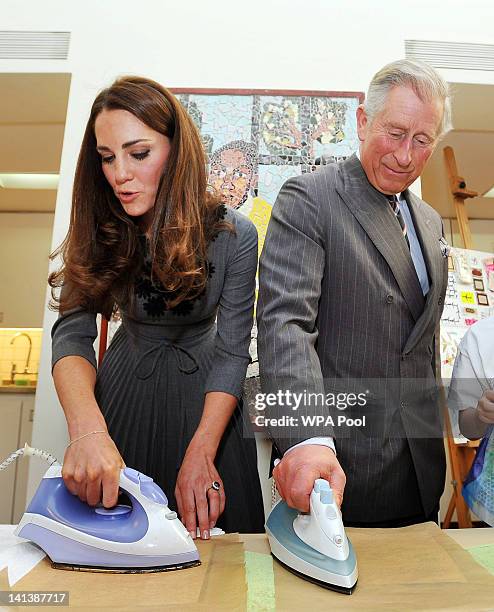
(144, 536)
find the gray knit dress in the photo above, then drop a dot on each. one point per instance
(151, 383)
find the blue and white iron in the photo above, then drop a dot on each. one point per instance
(144, 536)
(314, 546)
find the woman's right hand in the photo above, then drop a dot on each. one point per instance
(91, 469)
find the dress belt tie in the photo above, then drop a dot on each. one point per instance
(186, 362)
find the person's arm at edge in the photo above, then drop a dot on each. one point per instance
(91, 466)
(474, 404)
(224, 385)
(293, 242)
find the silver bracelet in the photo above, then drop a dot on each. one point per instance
(90, 433)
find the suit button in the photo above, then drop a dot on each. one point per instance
(389, 299)
(440, 301)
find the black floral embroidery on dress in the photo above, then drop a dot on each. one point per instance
(154, 306)
(220, 214)
(144, 288)
(155, 297)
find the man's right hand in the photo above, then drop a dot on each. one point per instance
(296, 473)
(91, 470)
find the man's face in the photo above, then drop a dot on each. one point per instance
(398, 142)
(231, 175)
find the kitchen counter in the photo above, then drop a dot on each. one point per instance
(31, 389)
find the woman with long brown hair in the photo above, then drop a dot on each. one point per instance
(148, 237)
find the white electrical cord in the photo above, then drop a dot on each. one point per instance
(28, 451)
(275, 496)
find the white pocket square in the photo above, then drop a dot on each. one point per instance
(445, 248)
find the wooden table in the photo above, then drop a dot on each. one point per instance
(418, 567)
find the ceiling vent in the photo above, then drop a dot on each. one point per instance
(455, 55)
(34, 45)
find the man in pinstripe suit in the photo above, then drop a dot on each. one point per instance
(351, 293)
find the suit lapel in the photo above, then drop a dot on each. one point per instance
(374, 214)
(433, 261)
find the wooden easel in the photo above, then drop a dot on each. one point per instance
(460, 193)
(461, 455)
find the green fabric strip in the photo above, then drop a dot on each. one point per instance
(484, 555)
(260, 581)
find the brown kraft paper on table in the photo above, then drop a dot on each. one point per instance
(412, 568)
(218, 583)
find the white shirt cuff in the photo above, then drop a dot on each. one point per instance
(329, 442)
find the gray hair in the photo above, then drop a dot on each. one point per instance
(426, 82)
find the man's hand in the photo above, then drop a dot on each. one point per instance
(485, 407)
(296, 473)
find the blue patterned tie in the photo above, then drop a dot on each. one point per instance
(395, 205)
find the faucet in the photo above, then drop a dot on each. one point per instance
(13, 371)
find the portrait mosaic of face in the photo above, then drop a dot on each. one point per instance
(232, 172)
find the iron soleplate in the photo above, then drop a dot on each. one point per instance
(124, 570)
(326, 585)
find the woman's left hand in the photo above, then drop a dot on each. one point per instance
(199, 504)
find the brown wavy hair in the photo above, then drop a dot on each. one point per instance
(101, 254)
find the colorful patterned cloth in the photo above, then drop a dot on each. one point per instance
(478, 488)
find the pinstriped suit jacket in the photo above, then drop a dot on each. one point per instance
(339, 304)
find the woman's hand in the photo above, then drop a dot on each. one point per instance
(198, 503)
(91, 469)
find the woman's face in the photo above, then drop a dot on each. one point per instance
(133, 158)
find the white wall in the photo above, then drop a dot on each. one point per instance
(482, 234)
(25, 241)
(286, 44)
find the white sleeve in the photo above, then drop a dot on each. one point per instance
(466, 388)
(329, 442)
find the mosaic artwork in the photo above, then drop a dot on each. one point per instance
(255, 141)
(469, 298)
